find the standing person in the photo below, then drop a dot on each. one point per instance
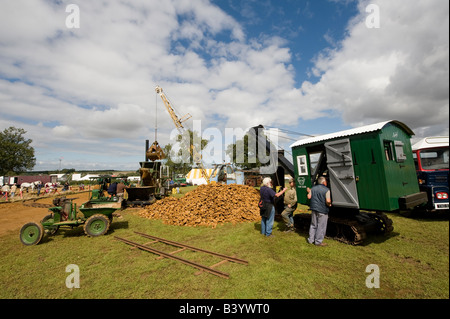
(120, 190)
(39, 186)
(268, 210)
(13, 190)
(46, 189)
(5, 191)
(54, 189)
(290, 205)
(320, 202)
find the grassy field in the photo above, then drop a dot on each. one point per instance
(413, 263)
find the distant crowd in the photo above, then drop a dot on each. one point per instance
(9, 192)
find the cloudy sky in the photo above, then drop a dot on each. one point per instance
(80, 79)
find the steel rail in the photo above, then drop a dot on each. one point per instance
(229, 258)
(184, 261)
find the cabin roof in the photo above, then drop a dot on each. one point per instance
(431, 141)
(350, 132)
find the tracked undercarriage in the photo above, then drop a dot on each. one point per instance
(352, 228)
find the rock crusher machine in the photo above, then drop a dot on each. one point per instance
(154, 175)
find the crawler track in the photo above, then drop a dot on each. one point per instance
(351, 231)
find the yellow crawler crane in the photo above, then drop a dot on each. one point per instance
(179, 125)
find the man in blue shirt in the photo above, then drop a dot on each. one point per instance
(320, 202)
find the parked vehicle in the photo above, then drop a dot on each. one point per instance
(227, 174)
(180, 179)
(431, 159)
(95, 215)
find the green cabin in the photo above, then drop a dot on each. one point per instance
(368, 168)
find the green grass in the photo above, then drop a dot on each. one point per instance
(413, 263)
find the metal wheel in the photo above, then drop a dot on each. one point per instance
(384, 223)
(31, 233)
(96, 225)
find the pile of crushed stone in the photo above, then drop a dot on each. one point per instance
(208, 205)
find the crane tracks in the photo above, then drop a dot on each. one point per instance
(352, 231)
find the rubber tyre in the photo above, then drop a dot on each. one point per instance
(96, 225)
(31, 234)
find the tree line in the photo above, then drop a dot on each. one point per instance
(17, 154)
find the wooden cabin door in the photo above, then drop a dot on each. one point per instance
(342, 181)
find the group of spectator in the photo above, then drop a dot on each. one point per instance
(8, 192)
(320, 198)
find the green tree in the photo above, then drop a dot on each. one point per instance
(243, 153)
(175, 166)
(16, 152)
(180, 161)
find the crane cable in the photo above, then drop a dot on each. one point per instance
(290, 132)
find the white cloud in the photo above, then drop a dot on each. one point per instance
(91, 90)
(63, 131)
(398, 71)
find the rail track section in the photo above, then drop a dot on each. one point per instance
(182, 247)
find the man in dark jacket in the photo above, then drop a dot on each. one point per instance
(268, 211)
(112, 189)
(320, 202)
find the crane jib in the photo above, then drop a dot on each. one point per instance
(178, 124)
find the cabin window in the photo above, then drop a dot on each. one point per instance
(399, 151)
(434, 158)
(314, 159)
(388, 150)
(302, 165)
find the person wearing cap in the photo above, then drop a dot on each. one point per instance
(290, 205)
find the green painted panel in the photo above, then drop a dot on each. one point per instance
(369, 172)
(302, 173)
(400, 172)
(383, 167)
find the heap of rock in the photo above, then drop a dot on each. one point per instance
(208, 205)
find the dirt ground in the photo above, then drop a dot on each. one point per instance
(17, 212)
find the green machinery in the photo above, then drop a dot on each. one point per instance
(370, 171)
(180, 179)
(154, 182)
(95, 215)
